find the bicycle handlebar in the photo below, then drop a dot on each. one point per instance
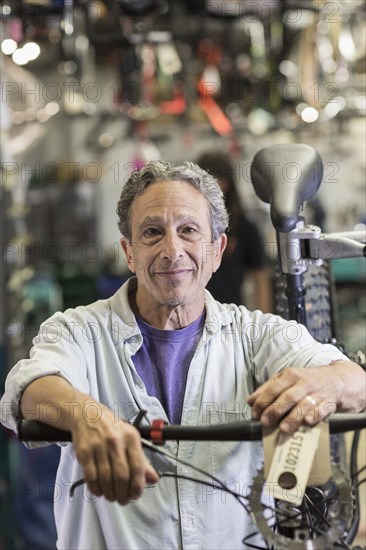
(158, 431)
(332, 246)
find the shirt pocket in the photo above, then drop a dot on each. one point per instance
(233, 413)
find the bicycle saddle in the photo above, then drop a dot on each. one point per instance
(285, 176)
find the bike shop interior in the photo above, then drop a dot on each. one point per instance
(92, 89)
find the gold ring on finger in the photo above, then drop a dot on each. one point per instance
(311, 400)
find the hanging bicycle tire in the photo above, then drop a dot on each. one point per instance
(320, 301)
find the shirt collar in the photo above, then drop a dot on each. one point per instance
(123, 317)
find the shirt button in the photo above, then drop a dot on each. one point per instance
(188, 523)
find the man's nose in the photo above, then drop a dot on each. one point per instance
(172, 247)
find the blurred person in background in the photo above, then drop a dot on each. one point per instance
(244, 258)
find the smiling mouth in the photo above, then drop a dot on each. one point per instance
(173, 272)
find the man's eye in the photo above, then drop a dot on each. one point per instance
(189, 230)
(151, 232)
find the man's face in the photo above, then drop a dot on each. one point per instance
(171, 251)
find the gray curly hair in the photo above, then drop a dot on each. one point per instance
(158, 170)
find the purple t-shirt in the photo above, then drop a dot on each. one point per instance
(163, 361)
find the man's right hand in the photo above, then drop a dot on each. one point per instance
(108, 449)
(112, 458)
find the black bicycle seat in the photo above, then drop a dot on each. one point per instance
(285, 176)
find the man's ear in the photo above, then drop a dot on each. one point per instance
(128, 250)
(220, 245)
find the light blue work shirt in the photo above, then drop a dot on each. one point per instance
(92, 347)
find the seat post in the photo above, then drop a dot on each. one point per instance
(295, 292)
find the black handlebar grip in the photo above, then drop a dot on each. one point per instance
(346, 422)
(32, 430)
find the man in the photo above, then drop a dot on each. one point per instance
(164, 345)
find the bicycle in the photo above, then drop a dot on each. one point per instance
(285, 176)
(328, 515)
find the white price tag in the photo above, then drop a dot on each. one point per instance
(291, 464)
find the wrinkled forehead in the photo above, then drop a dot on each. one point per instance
(165, 196)
(178, 192)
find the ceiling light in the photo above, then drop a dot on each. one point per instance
(52, 108)
(6, 9)
(8, 46)
(310, 114)
(43, 116)
(32, 50)
(20, 57)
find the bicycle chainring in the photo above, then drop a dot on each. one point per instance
(335, 516)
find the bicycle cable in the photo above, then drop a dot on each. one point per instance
(156, 449)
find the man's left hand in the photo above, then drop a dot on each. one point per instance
(306, 396)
